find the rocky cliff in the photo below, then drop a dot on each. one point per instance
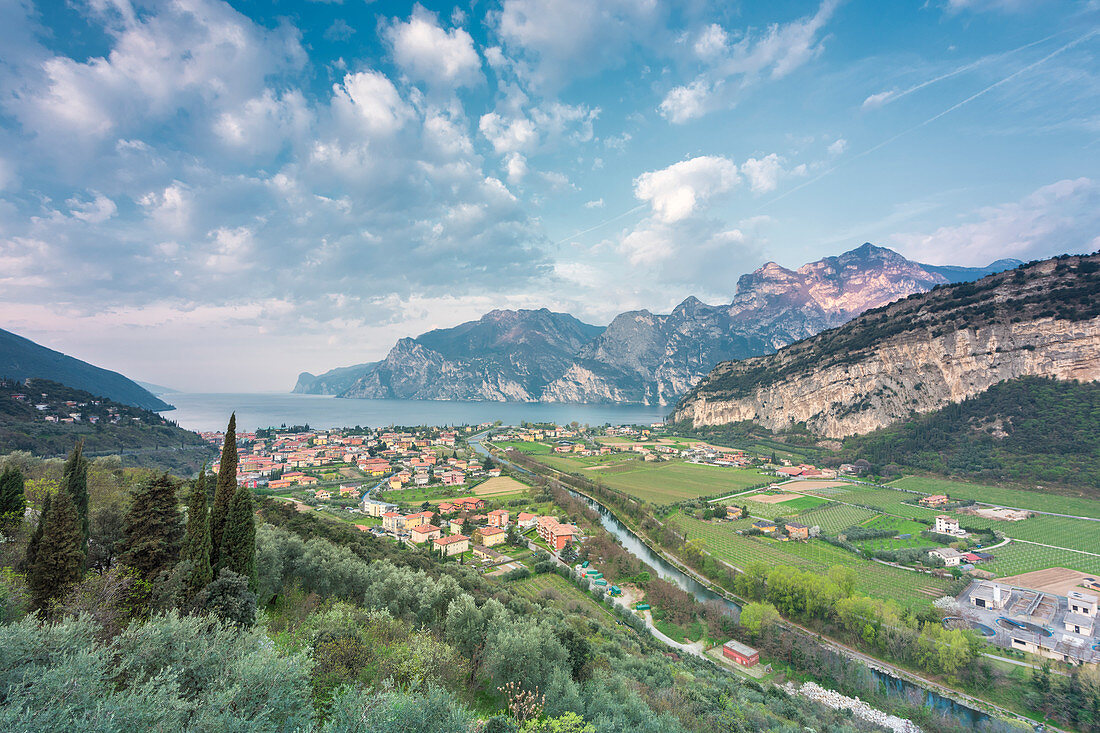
(918, 354)
(641, 357)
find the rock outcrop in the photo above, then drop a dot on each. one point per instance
(917, 355)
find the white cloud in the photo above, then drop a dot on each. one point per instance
(731, 68)
(429, 53)
(96, 211)
(370, 100)
(557, 41)
(263, 124)
(711, 43)
(763, 173)
(516, 167)
(878, 100)
(677, 191)
(594, 204)
(1057, 218)
(838, 146)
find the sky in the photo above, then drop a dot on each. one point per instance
(215, 196)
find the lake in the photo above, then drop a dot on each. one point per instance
(262, 410)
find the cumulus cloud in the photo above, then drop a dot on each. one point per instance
(762, 174)
(96, 211)
(731, 68)
(838, 146)
(677, 191)
(594, 204)
(430, 53)
(1061, 217)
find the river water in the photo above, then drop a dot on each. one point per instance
(888, 683)
(259, 410)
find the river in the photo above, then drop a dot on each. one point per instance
(887, 683)
(261, 410)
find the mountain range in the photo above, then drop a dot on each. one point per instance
(640, 357)
(917, 355)
(22, 359)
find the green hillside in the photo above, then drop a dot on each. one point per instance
(1029, 430)
(22, 359)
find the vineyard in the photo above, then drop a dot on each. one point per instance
(833, 518)
(1018, 557)
(1036, 500)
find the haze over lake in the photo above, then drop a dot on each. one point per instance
(211, 411)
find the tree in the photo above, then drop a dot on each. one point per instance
(74, 479)
(13, 503)
(224, 490)
(238, 552)
(153, 528)
(756, 616)
(59, 559)
(36, 537)
(198, 537)
(229, 598)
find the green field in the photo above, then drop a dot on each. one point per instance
(1037, 500)
(782, 509)
(556, 591)
(898, 526)
(910, 589)
(666, 483)
(1018, 557)
(525, 446)
(1076, 534)
(888, 500)
(833, 518)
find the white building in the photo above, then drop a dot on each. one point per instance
(948, 525)
(950, 556)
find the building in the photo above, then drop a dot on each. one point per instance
(415, 520)
(765, 526)
(554, 533)
(455, 544)
(492, 536)
(323, 495)
(946, 524)
(950, 556)
(376, 508)
(484, 553)
(424, 532)
(498, 518)
(797, 531)
(990, 595)
(526, 520)
(455, 526)
(733, 512)
(744, 655)
(393, 522)
(1082, 603)
(933, 501)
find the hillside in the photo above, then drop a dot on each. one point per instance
(47, 418)
(641, 357)
(1028, 430)
(21, 359)
(918, 354)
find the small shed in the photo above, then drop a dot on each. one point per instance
(743, 654)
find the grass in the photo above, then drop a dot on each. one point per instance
(910, 589)
(1076, 534)
(665, 483)
(526, 446)
(899, 526)
(782, 509)
(1018, 557)
(1037, 500)
(832, 518)
(557, 592)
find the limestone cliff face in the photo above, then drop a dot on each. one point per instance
(912, 374)
(917, 355)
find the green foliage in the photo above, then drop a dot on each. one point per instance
(197, 543)
(225, 487)
(36, 537)
(153, 528)
(755, 615)
(58, 558)
(1028, 430)
(393, 711)
(238, 545)
(74, 480)
(13, 502)
(229, 598)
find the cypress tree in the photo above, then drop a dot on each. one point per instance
(59, 561)
(153, 528)
(198, 537)
(74, 480)
(36, 536)
(239, 538)
(13, 503)
(224, 490)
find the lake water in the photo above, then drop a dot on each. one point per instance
(211, 412)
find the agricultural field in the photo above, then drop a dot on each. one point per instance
(666, 483)
(526, 446)
(1019, 557)
(499, 487)
(833, 518)
(774, 510)
(1019, 498)
(1076, 534)
(572, 463)
(908, 588)
(888, 500)
(899, 526)
(556, 591)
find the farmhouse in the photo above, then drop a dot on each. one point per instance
(733, 512)
(744, 655)
(323, 495)
(950, 556)
(765, 526)
(948, 525)
(933, 501)
(797, 531)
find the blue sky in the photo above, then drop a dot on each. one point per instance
(216, 196)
